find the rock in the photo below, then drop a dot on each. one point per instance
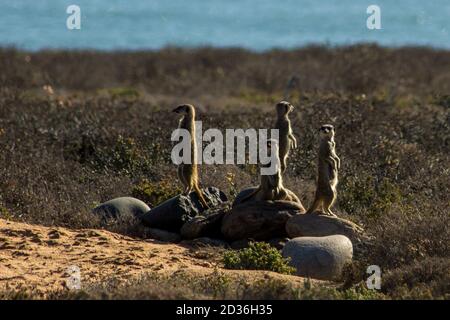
(162, 235)
(246, 192)
(205, 241)
(277, 243)
(120, 207)
(243, 194)
(319, 225)
(207, 224)
(319, 257)
(173, 213)
(259, 220)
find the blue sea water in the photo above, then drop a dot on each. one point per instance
(253, 24)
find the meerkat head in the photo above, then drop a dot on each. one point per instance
(185, 109)
(284, 107)
(326, 131)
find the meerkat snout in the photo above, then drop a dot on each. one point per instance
(326, 130)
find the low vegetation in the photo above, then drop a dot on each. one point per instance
(258, 256)
(71, 139)
(216, 285)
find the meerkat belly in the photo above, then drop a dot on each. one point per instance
(284, 144)
(324, 179)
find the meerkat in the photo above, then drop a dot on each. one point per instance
(327, 171)
(271, 186)
(188, 173)
(286, 137)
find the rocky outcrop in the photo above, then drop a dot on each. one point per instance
(172, 214)
(259, 220)
(207, 224)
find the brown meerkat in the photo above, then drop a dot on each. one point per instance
(271, 186)
(286, 137)
(188, 173)
(327, 172)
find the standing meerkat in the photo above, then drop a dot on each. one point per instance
(271, 186)
(327, 171)
(286, 137)
(188, 173)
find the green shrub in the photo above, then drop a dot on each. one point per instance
(121, 154)
(154, 193)
(365, 194)
(258, 256)
(125, 155)
(443, 100)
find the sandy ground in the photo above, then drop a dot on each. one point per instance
(39, 258)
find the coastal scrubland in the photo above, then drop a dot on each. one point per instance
(81, 127)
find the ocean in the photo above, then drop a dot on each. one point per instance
(253, 24)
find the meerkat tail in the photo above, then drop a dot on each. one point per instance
(200, 195)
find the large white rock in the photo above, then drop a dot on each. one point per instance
(319, 257)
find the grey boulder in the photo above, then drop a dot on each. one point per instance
(173, 213)
(319, 225)
(319, 257)
(120, 207)
(259, 220)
